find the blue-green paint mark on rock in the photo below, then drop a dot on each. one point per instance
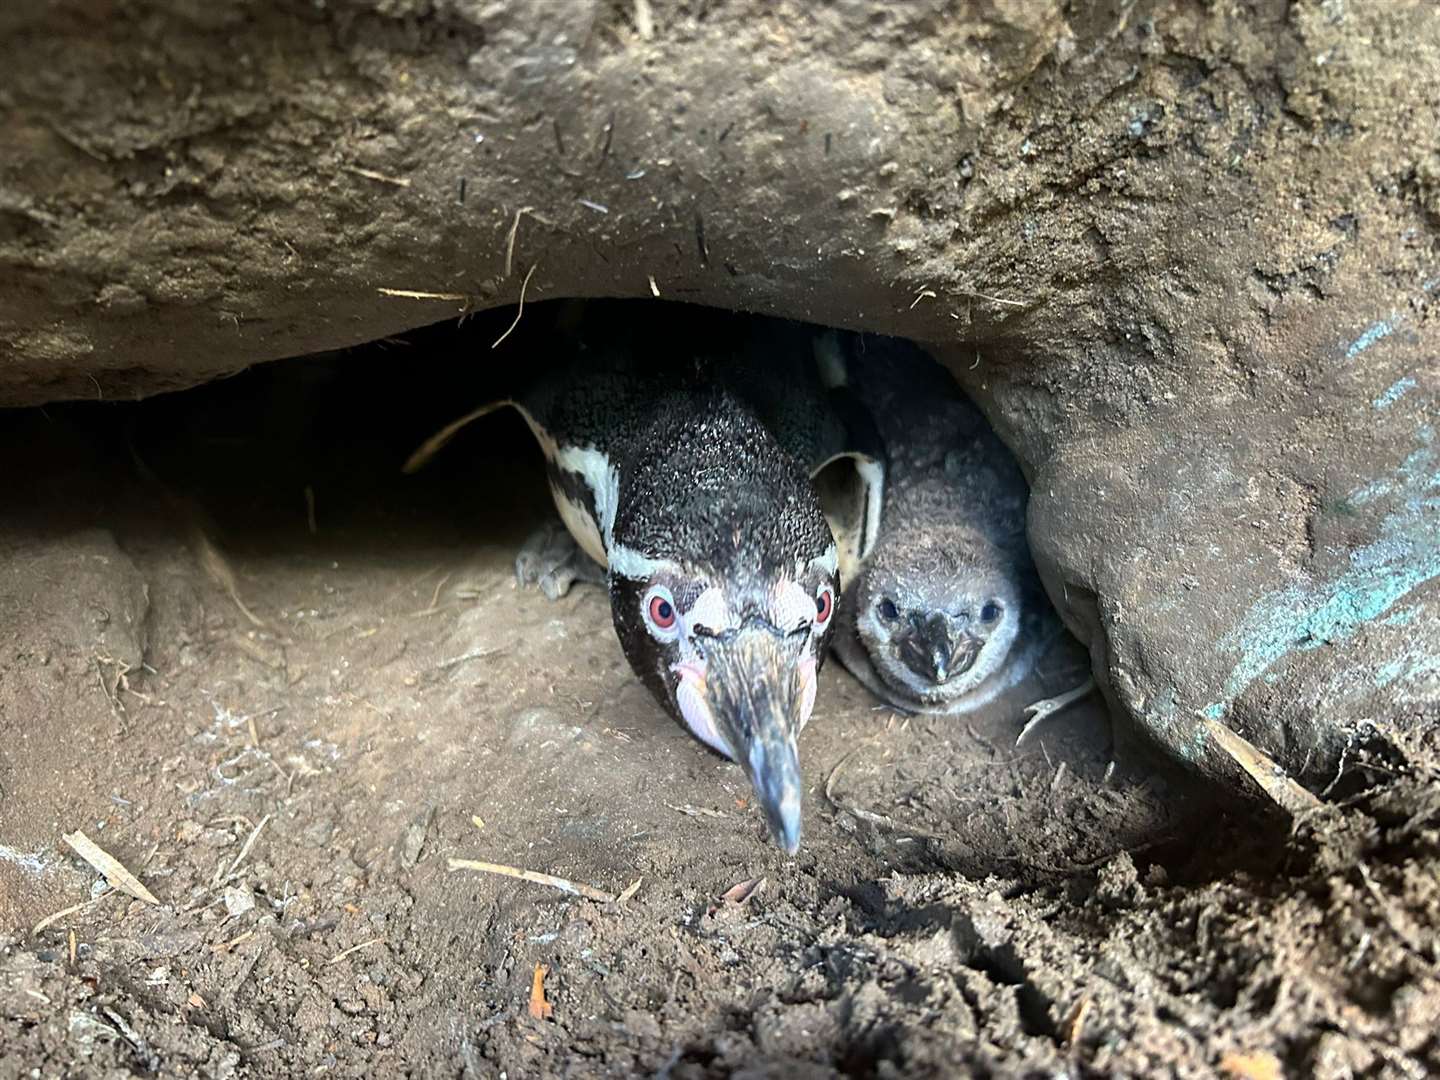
(1305, 616)
(1395, 393)
(1376, 331)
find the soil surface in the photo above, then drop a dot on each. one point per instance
(284, 685)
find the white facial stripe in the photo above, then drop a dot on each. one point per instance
(829, 562)
(628, 563)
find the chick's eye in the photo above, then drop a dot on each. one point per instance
(888, 611)
(824, 606)
(662, 612)
(990, 612)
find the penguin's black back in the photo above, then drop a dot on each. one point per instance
(622, 358)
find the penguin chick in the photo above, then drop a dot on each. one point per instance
(948, 611)
(722, 570)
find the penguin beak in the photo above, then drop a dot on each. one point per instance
(932, 653)
(755, 686)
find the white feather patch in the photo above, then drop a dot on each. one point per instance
(628, 563)
(592, 533)
(710, 610)
(829, 561)
(690, 696)
(808, 684)
(790, 605)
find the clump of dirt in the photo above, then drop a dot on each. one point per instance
(284, 686)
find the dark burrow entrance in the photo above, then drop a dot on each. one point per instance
(286, 683)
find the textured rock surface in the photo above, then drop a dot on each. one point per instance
(1187, 255)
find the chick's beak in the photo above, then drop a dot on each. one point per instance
(934, 654)
(758, 683)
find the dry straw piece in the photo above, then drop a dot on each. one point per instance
(109, 866)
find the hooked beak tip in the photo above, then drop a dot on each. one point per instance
(755, 692)
(775, 773)
(785, 828)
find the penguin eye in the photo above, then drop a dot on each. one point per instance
(990, 612)
(661, 618)
(824, 606)
(888, 611)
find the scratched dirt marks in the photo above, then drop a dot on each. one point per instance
(291, 787)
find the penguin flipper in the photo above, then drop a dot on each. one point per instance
(433, 445)
(851, 488)
(856, 453)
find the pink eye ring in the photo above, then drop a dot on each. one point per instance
(662, 618)
(824, 606)
(662, 612)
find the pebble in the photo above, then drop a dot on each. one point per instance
(238, 900)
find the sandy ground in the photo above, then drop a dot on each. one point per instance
(285, 712)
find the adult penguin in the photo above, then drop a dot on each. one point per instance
(680, 450)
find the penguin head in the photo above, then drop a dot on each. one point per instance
(723, 588)
(937, 618)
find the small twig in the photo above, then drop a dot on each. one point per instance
(629, 891)
(540, 1009)
(127, 1032)
(51, 920)
(354, 949)
(109, 866)
(245, 848)
(412, 294)
(214, 562)
(519, 310)
(695, 811)
(1388, 914)
(644, 20)
(226, 946)
(473, 654)
(537, 878)
(77, 142)
(510, 239)
(1040, 711)
(993, 299)
(869, 815)
(1260, 767)
(371, 174)
(654, 289)
(435, 596)
(1077, 1022)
